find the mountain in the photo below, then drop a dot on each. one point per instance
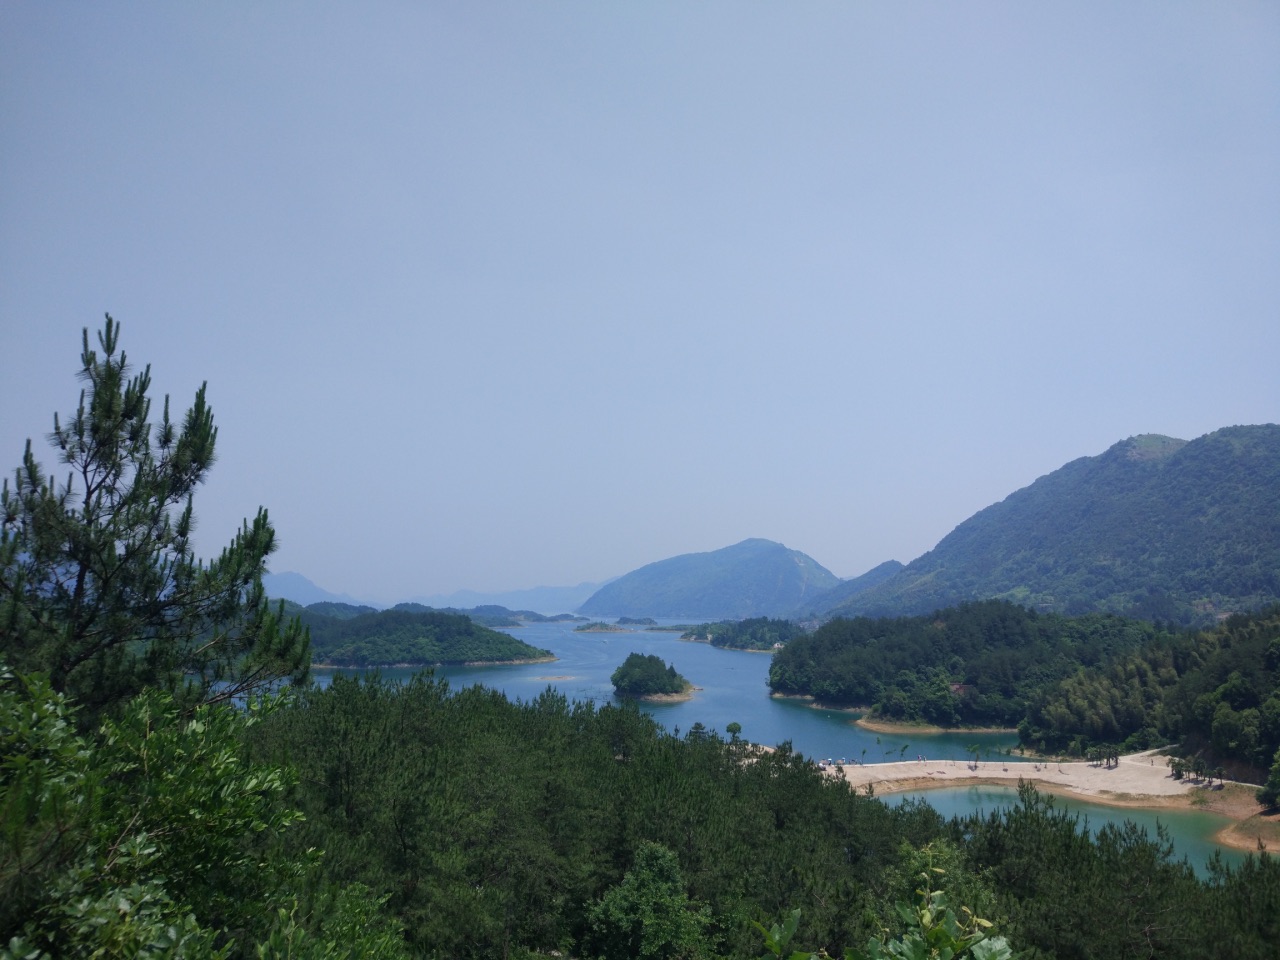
(846, 590)
(1154, 527)
(545, 600)
(754, 578)
(296, 587)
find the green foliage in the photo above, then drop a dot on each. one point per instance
(756, 633)
(339, 611)
(648, 916)
(938, 932)
(777, 938)
(99, 585)
(412, 637)
(642, 675)
(1117, 893)
(347, 923)
(978, 664)
(1216, 693)
(1153, 528)
(935, 932)
(153, 838)
(1269, 795)
(497, 825)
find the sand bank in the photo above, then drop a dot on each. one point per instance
(1138, 780)
(907, 729)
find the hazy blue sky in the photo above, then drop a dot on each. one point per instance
(496, 295)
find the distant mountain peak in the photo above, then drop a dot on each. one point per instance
(752, 578)
(1149, 446)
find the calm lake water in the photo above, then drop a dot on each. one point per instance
(1191, 830)
(734, 688)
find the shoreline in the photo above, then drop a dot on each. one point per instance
(814, 703)
(681, 697)
(889, 726)
(1139, 780)
(707, 643)
(422, 665)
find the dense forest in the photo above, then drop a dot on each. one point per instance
(488, 614)
(171, 786)
(1216, 693)
(411, 637)
(755, 633)
(977, 664)
(644, 675)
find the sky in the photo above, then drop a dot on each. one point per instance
(500, 295)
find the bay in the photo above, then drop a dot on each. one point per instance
(733, 687)
(1190, 830)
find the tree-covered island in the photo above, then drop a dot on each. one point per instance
(413, 638)
(646, 677)
(754, 633)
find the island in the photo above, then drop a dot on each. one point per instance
(408, 638)
(599, 626)
(646, 677)
(761, 634)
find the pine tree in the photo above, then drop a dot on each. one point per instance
(99, 586)
(1269, 795)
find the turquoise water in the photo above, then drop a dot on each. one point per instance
(1190, 830)
(733, 688)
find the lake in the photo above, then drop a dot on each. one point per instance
(734, 688)
(1190, 830)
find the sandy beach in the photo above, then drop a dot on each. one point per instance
(1138, 780)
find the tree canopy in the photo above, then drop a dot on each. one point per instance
(100, 586)
(645, 675)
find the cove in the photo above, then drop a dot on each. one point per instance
(1191, 831)
(733, 687)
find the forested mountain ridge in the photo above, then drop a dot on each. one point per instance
(846, 590)
(1154, 527)
(754, 578)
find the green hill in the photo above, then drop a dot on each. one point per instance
(846, 590)
(411, 638)
(1154, 527)
(754, 578)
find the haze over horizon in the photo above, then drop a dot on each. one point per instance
(498, 296)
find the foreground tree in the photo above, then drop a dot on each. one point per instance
(99, 586)
(158, 836)
(649, 915)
